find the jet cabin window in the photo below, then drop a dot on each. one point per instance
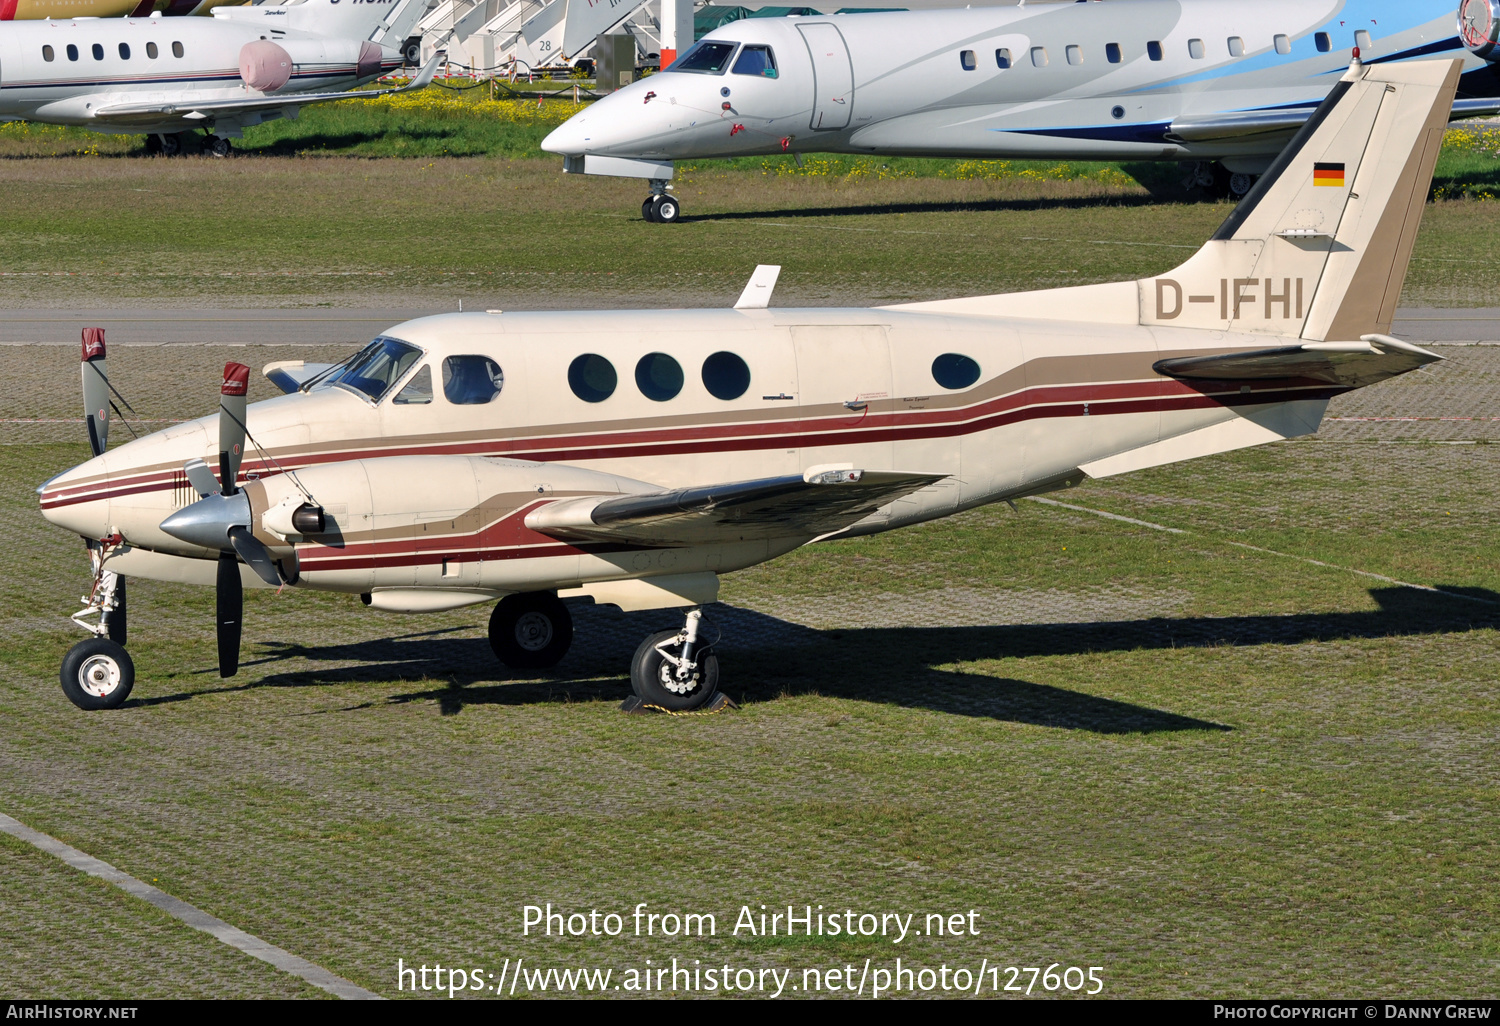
(1002, 58)
(1112, 53)
(1195, 49)
(98, 51)
(48, 54)
(592, 378)
(1075, 54)
(72, 52)
(1362, 40)
(967, 60)
(176, 49)
(756, 60)
(374, 369)
(1236, 46)
(1153, 50)
(709, 57)
(1039, 56)
(471, 380)
(124, 51)
(152, 51)
(1283, 43)
(1323, 43)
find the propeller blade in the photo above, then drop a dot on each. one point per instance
(255, 555)
(230, 607)
(95, 390)
(201, 478)
(232, 423)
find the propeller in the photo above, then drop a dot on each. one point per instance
(96, 405)
(221, 519)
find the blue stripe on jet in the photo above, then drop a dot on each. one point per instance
(1155, 134)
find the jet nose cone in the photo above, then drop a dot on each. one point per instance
(567, 139)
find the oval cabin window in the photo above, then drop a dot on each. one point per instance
(471, 380)
(176, 49)
(124, 51)
(72, 52)
(98, 51)
(592, 378)
(726, 376)
(658, 376)
(47, 54)
(954, 371)
(152, 51)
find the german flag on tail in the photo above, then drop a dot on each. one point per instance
(1331, 175)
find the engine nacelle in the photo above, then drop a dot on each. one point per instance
(1479, 27)
(268, 66)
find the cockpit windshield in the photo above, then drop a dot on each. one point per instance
(374, 369)
(709, 57)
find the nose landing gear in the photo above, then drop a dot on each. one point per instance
(99, 673)
(661, 208)
(674, 671)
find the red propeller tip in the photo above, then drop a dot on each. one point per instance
(236, 379)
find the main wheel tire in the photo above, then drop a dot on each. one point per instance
(97, 674)
(1240, 185)
(219, 146)
(171, 144)
(651, 675)
(666, 210)
(648, 209)
(531, 631)
(153, 143)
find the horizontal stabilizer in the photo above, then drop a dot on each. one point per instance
(812, 504)
(1355, 364)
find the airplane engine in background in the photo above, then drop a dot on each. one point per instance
(1479, 27)
(268, 66)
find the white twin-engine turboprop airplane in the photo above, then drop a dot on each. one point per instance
(1143, 80)
(162, 76)
(635, 457)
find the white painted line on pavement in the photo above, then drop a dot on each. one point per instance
(197, 919)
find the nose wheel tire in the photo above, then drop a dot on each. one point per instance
(655, 682)
(219, 146)
(531, 631)
(665, 209)
(97, 674)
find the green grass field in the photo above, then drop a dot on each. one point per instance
(1195, 759)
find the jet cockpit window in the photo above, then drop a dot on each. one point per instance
(72, 52)
(471, 380)
(47, 54)
(374, 369)
(418, 391)
(710, 57)
(1323, 42)
(756, 60)
(1153, 50)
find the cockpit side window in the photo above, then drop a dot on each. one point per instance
(756, 60)
(471, 380)
(374, 369)
(418, 391)
(710, 57)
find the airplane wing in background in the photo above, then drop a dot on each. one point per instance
(194, 114)
(1355, 364)
(812, 504)
(1195, 128)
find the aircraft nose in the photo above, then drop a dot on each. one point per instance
(567, 139)
(75, 500)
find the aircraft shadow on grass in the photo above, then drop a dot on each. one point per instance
(935, 207)
(765, 657)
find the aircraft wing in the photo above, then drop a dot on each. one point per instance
(1239, 124)
(192, 113)
(812, 504)
(1355, 364)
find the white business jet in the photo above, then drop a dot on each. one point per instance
(633, 458)
(220, 75)
(1141, 80)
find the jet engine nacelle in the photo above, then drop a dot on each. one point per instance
(1479, 27)
(268, 66)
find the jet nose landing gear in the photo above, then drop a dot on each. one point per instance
(660, 207)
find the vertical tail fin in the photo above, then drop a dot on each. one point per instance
(1320, 247)
(375, 20)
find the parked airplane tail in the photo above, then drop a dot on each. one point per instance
(1319, 248)
(376, 20)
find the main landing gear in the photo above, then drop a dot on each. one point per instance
(661, 208)
(672, 671)
(171, 144)
(99, 673)
(1217, 180)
